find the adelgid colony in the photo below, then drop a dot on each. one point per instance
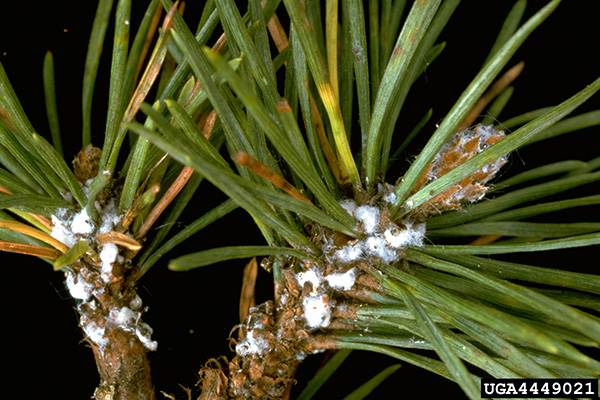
(350, 247)
(314, 297)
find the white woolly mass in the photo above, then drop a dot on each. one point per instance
(349, 205)
(390, 198)
(95, 333)
(383, 239)
(369, 216)
(81, 289)
(128, 320)
(123, 318)
(110, 218)
(144, 332)
(376, 246)
(108, 255)
(347, 254)
(342, 281)
(252, 345)
(62, 233)
(309, 276)
(411, 236)
(384, 245)
(70, 229)
(82, 223)
(317, 311)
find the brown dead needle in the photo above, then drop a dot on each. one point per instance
(29, 249)
(181, 180)
(183, 177)
(483, 240)
(120, 239)
(262, 170)
(498, 87)
(34, 233)
(247, 299)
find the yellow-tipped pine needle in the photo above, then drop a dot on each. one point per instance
(331, 25)
(328, 152)
(281, 42)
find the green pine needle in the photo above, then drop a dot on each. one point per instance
(299, 125)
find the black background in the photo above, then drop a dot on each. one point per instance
(192, 313)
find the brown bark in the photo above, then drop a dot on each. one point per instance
(111, 320)
(124, 368)
(104, 284)
(275, 342)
